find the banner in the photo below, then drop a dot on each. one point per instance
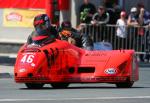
(19, 17)
(22, 3)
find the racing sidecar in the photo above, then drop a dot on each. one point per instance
(60, 63)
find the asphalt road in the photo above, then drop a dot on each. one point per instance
(82, 93)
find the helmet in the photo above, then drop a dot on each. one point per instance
(42, 24)
(66, 25)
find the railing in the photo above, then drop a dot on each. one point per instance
(138, 38)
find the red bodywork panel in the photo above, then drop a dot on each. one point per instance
(61, 62)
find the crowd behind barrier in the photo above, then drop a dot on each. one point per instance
(138, 38)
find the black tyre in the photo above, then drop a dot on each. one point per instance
(59, 85)
(124, 85)
(34, 85)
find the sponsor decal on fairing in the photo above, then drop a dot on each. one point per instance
(110, 71)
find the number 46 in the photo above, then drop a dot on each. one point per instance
(27, 58)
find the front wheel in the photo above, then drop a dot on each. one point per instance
(124, 85)
(34, 85)
(59, 85)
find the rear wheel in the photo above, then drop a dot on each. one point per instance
(59, 85)
(124, 85)
(34, 85)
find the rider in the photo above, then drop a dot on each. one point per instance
(68, 33)
(44, 32)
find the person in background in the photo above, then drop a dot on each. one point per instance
(43, 31)
(113, 9)
(144, 17)
(117, 11)
(133, 23)
(144, 20)
(87, 10)
(139, 6)
(99, 21)
(133, 17)
(101, 16)
(121, 31)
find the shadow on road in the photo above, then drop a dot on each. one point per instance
(85, 87)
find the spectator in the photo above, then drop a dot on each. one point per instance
(144, 20)
(139, 6)
(133, 17)
(117, 11)
(144, 17)
(121, 30)
(101, 17)
(133, 22)
(87, 10)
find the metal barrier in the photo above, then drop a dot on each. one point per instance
(138, 38)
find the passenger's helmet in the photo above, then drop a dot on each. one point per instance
(66, 25)
(42, 24)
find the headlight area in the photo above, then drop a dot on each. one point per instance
(25, 72)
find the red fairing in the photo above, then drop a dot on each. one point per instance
(60, 63)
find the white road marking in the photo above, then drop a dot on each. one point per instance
(59, 99)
